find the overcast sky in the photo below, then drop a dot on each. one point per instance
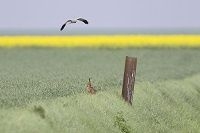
(50, 14)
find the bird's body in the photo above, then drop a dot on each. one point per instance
(70, 21)
(90, 89)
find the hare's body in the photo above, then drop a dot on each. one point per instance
(90, 89)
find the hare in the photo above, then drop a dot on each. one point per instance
(90, 88)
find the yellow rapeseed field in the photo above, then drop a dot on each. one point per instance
(113, 41)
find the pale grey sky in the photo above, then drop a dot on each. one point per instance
(50, 14)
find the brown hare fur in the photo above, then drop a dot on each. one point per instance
(90, 89)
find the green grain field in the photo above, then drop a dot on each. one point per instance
(42, 90)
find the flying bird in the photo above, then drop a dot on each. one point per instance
(70, 21)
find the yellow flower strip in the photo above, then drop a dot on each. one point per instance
(116, 41)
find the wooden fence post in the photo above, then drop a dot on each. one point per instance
(129, 79)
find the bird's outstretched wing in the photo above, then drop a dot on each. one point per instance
(83, 20)
(69, 21)
(63, 26)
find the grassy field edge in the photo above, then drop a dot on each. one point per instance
(165, 109)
